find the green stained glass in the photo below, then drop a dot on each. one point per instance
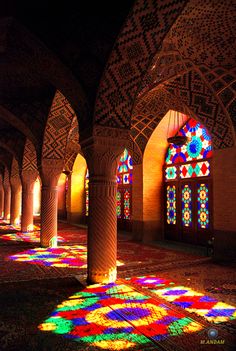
(186, 206)
(171, 173)
(202, 206)
(171, 204)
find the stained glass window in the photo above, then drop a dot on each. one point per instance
(186, 173)
(125, 168)
(198, 147)
(124, 182)
(195, 169)
(118, 204)
(202, 205)
(171, 204)
(186, 205)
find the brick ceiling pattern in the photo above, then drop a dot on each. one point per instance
(58, 125)
(141, 36)
(29, 157)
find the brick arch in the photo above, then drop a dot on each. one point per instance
(195, 93)
(202, 38)
(57, 128)
(188, 94)
(41, 65)
(139, 40)
(17, 123)
(135, 151)
(14, 168)
(149, 111)
(29, 157)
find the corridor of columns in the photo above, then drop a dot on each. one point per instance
(117, 176)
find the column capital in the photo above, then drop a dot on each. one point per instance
(50, 171)
(29, 175)
(15, 181)
(103, 148)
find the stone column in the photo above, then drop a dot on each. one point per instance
(28, 178)
(50, 173)
(7, 198)
(102, 152)
(15, 200)
(1, 197)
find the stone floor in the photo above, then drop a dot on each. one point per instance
(164, 299)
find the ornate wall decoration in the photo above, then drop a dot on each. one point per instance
(139, 40)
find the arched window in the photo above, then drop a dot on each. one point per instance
(187, 174)
(124, 191)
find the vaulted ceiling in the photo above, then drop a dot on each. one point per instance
(120, 64)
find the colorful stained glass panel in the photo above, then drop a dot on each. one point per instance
(186, 206)
(171, 204)
(118, 204)
(198, 147)
(192, 170)
(202, 206)
(126, 204)
(171, 173)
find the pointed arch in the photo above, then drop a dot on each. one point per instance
(29, 162)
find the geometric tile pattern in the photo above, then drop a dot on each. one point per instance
(14, 168)
(200, 169)
(193, 91)
(140, 38)
(29, 157)
(57, 128)
(149, 111)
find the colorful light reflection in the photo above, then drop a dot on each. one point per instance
(193, 301)
(74, 256)
(115, 317)
(32, 237)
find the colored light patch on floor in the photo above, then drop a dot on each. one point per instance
(97, 290)
(117, 319)
(150, 281)
(192, 301)
(64, 256)
(32, 237)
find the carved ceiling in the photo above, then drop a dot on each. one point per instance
(67, 66)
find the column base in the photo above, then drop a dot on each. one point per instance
(51, 243)
(102, 277)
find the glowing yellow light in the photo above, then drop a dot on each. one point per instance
(30, 228)
(114, 345)
(47, 326)
(192, 327)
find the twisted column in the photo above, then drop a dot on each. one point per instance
(28, 178)
(7, 197)
(50, 173)
(102, 154)
(15, 200)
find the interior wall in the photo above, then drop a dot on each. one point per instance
(62, 196)
(137, 202)
(224, 203)
(76, 192)
(153, 161)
